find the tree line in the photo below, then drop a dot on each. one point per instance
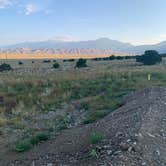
(150, 57)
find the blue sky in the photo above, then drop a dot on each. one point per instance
(134, 21)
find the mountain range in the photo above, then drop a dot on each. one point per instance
(101, 44)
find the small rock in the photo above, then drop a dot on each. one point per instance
(107, 147)
(119, 134)
(109, 152)
(143, 164)
(130, 148)
(117, 152)
(98, 148)
(140, 135)
(124, 146)
(136, 135)
(129, 140)
(150, 135)
(158, 152)
(135, 143)
(49, 164)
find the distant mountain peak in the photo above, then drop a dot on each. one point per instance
(103, 43)
(103, 39)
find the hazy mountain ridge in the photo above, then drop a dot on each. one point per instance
(99, 44)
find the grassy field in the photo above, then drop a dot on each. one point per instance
(38, 102)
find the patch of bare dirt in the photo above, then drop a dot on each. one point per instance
(135, 135)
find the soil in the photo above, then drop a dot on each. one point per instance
(135, 135)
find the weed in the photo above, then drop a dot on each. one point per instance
(94, 116)
(93, 153)
(27, 144)
(23, 145)
(39, 137)
(95, 138)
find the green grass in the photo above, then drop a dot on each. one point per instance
(95, 137)
(23, 145)
(94, 116)
(39, 137)
(93, 153)
(26, 144)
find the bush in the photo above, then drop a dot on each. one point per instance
(27, 144)
(56, 65)
(112, 57)
(20, 63)
(39, 138)
(71, 60)
(119, 58)
(95, 138)
(5, 67)
(23, 145)
(92, 117)
(68, 60)
(47, 61)
(150, 57)
(81, 63)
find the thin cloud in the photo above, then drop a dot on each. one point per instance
(30, 9)
(49, 11)
(65, 38)
(6, 3)
(42, 7)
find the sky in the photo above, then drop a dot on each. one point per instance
(134, 21)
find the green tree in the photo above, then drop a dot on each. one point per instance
(5, 67)
(81, 63)
(56, 65)
(150, 57)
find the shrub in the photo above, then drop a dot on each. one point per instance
(95, 138)
(112, 57)
(5, 67)
(23, 145)
(56, 65)
(71, 60)
(62, 123)
(27, 144)
(61, 126)
(81, 63)
(92, 117)
(93, 153)
(46, 61)
(68, 60)
(150, 57)
(119, 58)
(20, 63)
(39, 138)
